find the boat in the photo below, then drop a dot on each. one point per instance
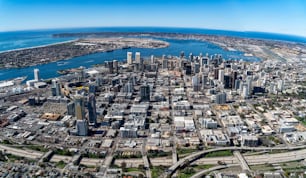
(109, 50)
(61, 63)
(63, 72)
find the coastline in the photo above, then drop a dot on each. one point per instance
(39, 46)
(258, 48)
(262, 48)
(43, 54)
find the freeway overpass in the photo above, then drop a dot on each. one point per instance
(255, 160)
(193, 157)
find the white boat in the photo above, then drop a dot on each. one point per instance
(61, 63)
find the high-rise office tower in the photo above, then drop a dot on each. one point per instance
(237, 84)
(216, 73)
(220, 98)
(204, 80)
(56, 88)
(221, 76)
(191, 57)
(79, 107)
(280, 85)
(71, 109)
(82, 127)
(163, 57)
(137, 57)
(152, 59)
(164, 63)
(188, 70)
(92, 89)
(129, 58)
(196, 68)
(249, 81)
(245, 91)
(196, 83)
(36, 75)
(128, 87)
(115, 66)
(233, 78)
(227, 82)
(145, 92)
(92, 111)
(109, 65)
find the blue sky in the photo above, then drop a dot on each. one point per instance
(278, 16)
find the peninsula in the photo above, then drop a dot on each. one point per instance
(262, 48)
(66, 50)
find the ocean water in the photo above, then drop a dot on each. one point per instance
(24, 39)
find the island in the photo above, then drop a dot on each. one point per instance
(67, 50)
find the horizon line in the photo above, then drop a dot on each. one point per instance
(180, 27)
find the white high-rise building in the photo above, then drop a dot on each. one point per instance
(36, 75)
(245, 91)
(280, 85)
(129, 58)
(152, 59)
(137, 57)
(221, 76)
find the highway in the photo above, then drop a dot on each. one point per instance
(256, 159)
(201, 173)
(252, 160)
(145, 159)
(244, 165)
(22, 153)
(294, 153)
(58, 158)
(193, 157)
(91, 162)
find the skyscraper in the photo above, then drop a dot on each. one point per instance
(36, 75)
(92, 112)
(110, 66)
(137, 57)
(56, 88)
(196, 67)
(92, 89)
(82, 127)
(145, 92)
(79, 107)
(152, 59)
(221, 98)
(128, 87)
(188, 70)
(115, 66)
(71, 109)
(129, 58)
(196, 83)
(249, 84)
(221, 76)
(191, 57)
(164, 63)
(280, 85)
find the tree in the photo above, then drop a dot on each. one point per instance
(123, 166)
